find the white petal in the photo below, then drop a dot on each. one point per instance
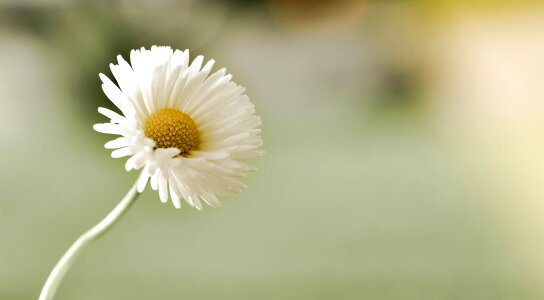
(210, 155)
(122, 152)
(211, 200)
(118, 143)
(136, 161)
(174, 193)
(196, 202)
(114, 117)
(155, 180)
(163, 188)
(167, 153)
(142, 180)
(139, 160)
(109, 128)
(116, 96)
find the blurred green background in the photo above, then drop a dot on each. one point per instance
(404, 148)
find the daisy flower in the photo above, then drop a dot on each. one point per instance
(186, 129)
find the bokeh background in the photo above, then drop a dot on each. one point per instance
(404, 143)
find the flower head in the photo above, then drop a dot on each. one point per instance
(184, 127)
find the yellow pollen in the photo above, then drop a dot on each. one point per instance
(172, 128)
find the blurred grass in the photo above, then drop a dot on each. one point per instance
(377, 212)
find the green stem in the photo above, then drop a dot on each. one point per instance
(55, 278)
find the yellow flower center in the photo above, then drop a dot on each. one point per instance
(172, 128)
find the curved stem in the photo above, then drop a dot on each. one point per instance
(64, 264)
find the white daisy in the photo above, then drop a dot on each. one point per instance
(184, 127)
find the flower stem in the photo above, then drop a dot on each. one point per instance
(55, 278)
